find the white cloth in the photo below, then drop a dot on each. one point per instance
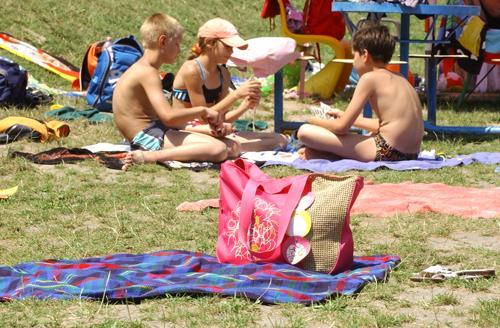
(264, 156)
(490, 83)
(104, 146)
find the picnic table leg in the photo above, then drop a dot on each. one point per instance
(278, 101)
(431, 90)
(404, 46)
(367, 110)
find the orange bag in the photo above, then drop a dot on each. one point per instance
(89, 63)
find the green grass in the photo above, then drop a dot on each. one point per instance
(487, 313)
(445, 299)
(78, 210)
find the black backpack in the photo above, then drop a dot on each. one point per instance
(13, 82)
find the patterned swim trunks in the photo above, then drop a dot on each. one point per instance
(151, 138)
(387, 153)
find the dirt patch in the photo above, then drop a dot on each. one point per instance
(32, 229)
(110, 176)
(163, 181)
(202, 178)
(130, 312)
(427, 314)
(374, 223)
(269, 317)
(90, 225)
(34, 36)
(295, 110)
(378, 226)
(463, 240)
(6, 244)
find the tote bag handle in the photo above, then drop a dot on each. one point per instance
(296, 184)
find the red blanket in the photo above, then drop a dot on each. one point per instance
(389, 198)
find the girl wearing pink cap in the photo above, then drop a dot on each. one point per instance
(203, 81)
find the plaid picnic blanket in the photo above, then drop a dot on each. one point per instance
(139, 276)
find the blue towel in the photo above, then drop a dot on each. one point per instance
(323, 165)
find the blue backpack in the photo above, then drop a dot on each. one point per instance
(13, 82)
(113, 61)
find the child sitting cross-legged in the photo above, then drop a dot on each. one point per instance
(143, 115)
(396, 133)
(203, 80)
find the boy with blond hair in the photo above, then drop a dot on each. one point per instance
(143, 115)
(396, 133)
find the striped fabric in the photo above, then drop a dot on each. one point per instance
(139, 276)
(180, 94)
(147, 142)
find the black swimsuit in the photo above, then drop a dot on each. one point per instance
(211, 95)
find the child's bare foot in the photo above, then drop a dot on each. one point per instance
(133, 157)
(306, 153)
(302, 153)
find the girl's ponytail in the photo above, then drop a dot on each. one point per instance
(195, 51)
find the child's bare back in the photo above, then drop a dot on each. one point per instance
(131, 107)
(398, 108)
(396, 133)
(144, 116)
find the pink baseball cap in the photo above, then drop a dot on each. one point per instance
(223, 30)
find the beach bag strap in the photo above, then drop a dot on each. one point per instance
(254, 213)
(295, 188)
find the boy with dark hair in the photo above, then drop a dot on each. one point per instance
(396, 133)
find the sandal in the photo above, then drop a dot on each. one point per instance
(246, 125)
(438, 273)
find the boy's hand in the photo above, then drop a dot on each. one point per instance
(214, 120)
(226, 129)
(212, 117)
(334, 113)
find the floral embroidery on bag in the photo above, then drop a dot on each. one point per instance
(262, 233)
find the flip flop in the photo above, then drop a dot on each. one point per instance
(473, 274)
(438, 273)
(247, 125)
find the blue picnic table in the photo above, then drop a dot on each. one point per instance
(404, 39)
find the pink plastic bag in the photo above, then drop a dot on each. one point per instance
(254, 212)
(266, 55)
